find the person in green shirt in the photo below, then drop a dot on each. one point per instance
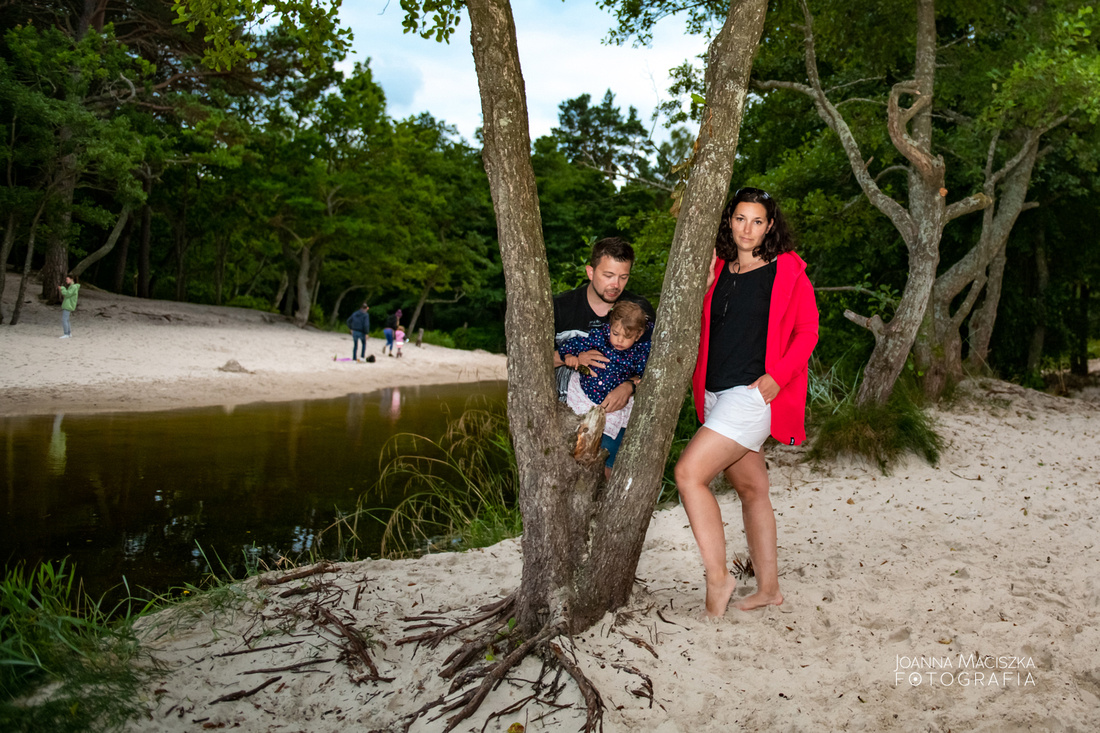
(69, 293)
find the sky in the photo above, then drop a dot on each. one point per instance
(561, 53)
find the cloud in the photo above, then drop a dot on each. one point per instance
(560, 51)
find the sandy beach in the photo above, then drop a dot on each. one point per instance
(134, 354)
(964, 596)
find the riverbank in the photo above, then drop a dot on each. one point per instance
(958, 597)
(132, 354)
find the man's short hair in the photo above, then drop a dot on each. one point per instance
(365, 305)
(616, 248)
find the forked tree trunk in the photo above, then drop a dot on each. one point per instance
(921, 224)
(938, 348)
(582, 542)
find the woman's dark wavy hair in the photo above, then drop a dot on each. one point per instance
(778, 239)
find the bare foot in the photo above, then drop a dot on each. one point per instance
(759, 600)
(718, 595)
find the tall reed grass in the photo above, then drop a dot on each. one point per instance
(459, 491)
(66, 664)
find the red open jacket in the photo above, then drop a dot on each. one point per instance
(792, 334)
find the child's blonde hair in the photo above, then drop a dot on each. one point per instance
(630, 315)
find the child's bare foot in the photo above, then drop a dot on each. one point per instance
(759, 600)
(718, 595)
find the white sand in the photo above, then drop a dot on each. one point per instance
(133, 354)
(990, 558)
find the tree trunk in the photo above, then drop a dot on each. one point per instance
(27, 264)
(1079, 341)
(423, 298)
(221, 251)
(921, 225)
(335, 315)
(144, 243)
(118, 278)
(938, 348)
(581, 544)
(84, 264)
(301, 316)
(284, 283)
(985, 317)
(5, 251)
(56, 266)
(1039, 334)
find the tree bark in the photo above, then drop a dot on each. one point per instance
(144, 242)
(27, 264)
(56, 266)
(921, 224)
(1039, 334)
(284, 283)
(118, 278)
(301, 287)
(112, 239)
(424, 292)
(5, 251)
(938, 348)
(1079, 341)
(581, 543)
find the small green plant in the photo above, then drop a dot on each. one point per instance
(880, 433)
(459, 491)
(64, 665)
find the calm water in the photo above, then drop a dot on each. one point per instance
(131, 494)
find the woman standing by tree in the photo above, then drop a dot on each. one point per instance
(759, 328)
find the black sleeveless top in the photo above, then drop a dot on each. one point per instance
(739, 310)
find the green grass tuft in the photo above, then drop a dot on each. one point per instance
(880, 433)
(64, 665)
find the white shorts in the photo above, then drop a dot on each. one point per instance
(740, 414)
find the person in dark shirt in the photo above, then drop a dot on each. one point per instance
(759, 326)
(359, 324)
(620, 340)
(578, 311)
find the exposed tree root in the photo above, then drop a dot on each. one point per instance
(484, 678)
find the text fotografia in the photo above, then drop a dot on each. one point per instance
(972, 670)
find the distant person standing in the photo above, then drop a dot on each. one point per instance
(359, 323)
(69, 292)
(399, 338)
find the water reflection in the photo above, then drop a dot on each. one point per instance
(132, 494)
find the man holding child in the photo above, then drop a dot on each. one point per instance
(587, 308)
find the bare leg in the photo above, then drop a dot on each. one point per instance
(749, 476)
(706, 455)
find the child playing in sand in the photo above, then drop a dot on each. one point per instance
(620, 340)
(399, 339)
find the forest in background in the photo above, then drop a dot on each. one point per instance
(283, 184)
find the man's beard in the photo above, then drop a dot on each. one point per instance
(605, 299)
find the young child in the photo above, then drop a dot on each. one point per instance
(398, 339)
(622, 343)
